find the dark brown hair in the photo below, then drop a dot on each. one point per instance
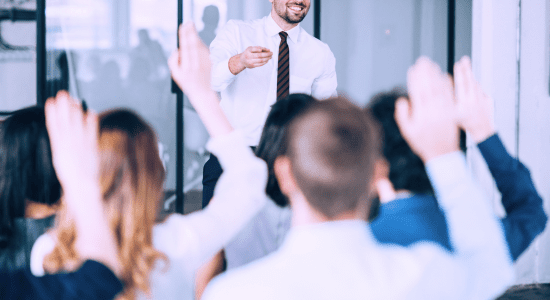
(332, 147)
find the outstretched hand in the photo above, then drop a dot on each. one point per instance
(190, 64)
(474, 108)
(428, 119)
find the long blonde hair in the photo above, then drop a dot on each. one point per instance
(132, 179)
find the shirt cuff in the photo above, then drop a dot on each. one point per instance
(222, 74)
(230, 149)
(493, 150)
(446, 171)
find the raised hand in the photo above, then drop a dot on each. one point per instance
(475, 110)
(73, 138)
(428, 120)
(190, 64)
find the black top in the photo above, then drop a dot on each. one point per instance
(17, 254)
(92, 281)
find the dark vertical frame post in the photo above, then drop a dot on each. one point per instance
(451, 27)
(317, 19)
(179, 129)
(40, 52)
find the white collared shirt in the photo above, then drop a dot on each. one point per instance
(246, 98)
(342, 260)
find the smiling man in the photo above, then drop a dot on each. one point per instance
(257, 62)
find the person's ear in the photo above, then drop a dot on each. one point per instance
(285, 177)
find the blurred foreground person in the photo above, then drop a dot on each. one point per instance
(414, 214)
(132, 182)
(29, 189)
(326, 174)
(73, 138)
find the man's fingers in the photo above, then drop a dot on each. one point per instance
(263, 55)
(257, 49)
(402, 113)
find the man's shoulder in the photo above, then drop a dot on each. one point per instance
(244, 24)
(255, 280)
(305, 37)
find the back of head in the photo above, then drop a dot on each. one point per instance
(132, 177)
(26, 169)
(332, 148)
(272, 143)
(407, 170)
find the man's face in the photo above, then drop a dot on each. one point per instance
(292, 11)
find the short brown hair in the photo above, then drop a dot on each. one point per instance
(332, 147)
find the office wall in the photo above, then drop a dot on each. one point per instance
(375, 42)
(510, 52)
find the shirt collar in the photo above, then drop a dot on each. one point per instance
(272, 29)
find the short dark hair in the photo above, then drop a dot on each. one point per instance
(332, 148)
(273, 136)
(407, 171)
(26, 169)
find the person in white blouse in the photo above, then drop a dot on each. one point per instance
(256, 62)
(330, 252)
(191, 240)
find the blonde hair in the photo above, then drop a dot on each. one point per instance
(132, 179)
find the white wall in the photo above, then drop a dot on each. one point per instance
(375, 42)
(500, 51)
(534, 122)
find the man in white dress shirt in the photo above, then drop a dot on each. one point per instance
(256, 62)
(330, 252)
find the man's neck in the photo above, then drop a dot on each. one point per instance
(304, 214)
(284, 25)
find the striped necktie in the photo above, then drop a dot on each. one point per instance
(283, 71)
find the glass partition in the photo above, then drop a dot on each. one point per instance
(17, 55)
(113, 54)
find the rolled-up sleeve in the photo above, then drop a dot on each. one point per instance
(222, 48)
(325, 85)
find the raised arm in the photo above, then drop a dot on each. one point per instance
(525, 216)
(239, 194)
(428, 123)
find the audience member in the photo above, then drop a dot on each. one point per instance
(266, 231)
(329, 252)
(73, 139)
(29, 189)
(186, 241)
(414, 215)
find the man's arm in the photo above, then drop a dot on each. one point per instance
(325, 85)
(525, 215)
(92, 281)
(428, 124)
(227, 59)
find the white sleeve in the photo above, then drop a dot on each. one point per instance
(325, 85)
(222, 48)
(474, 231)
(239, 195)
(43, 246)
